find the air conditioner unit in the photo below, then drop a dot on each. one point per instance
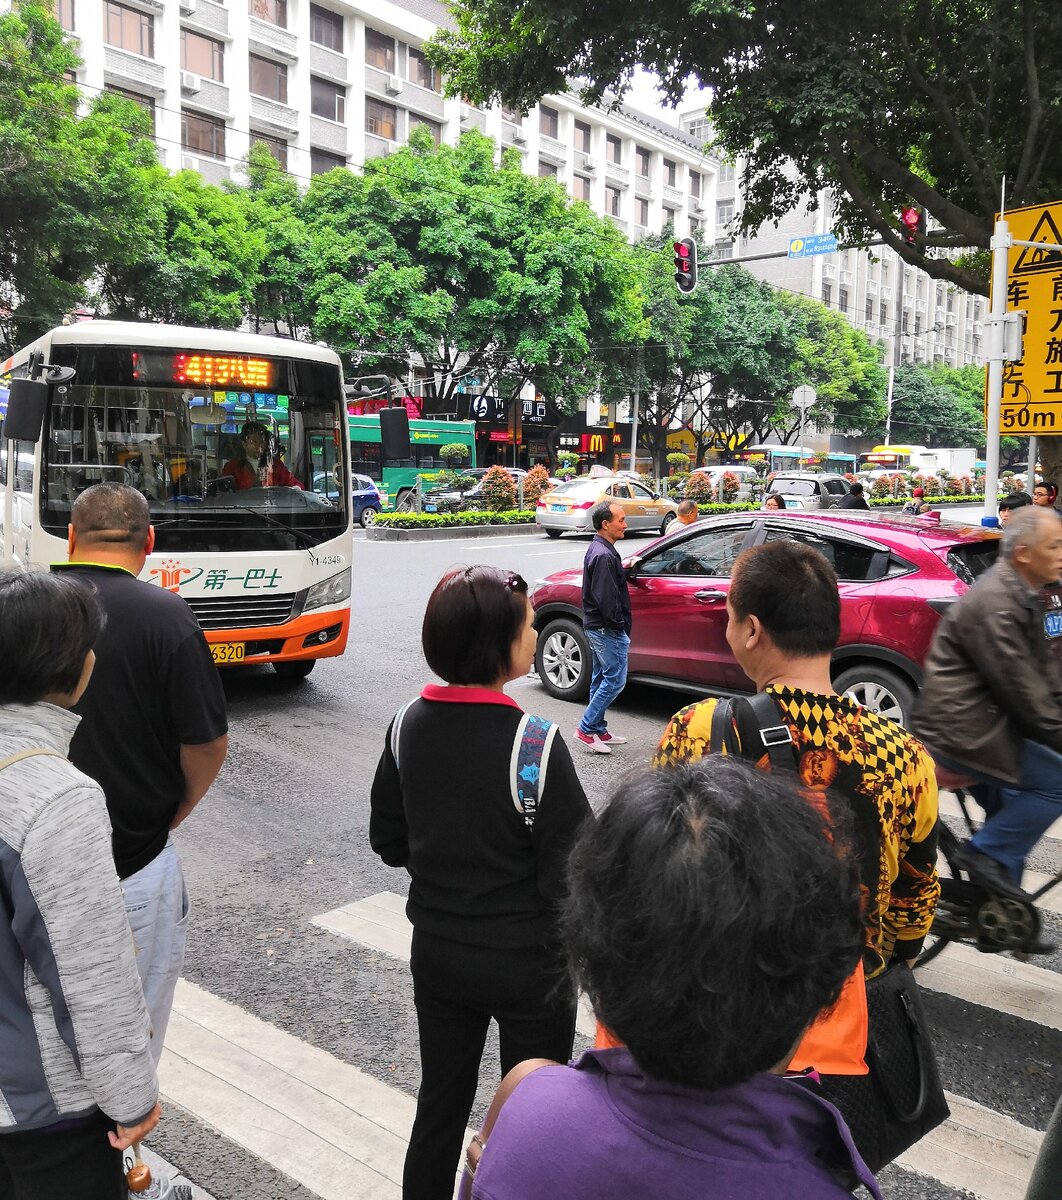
(697, 206)
(187, 8)
(519, 134)
(589, 166)
(189, 162)
(829, 271)
(393, 85)
(190, 83)
(846, 277)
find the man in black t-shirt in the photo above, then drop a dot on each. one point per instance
(153, 729)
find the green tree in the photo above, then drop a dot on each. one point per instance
(933, 101)
(927, 412)
(967, 386)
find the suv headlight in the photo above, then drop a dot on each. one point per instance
(328, 591)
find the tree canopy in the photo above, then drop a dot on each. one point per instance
(930, 101)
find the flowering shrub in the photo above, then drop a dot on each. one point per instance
(850, 477)
(952, 486)
(498, 492)
(728, 488)
(698, 488)
(967, 485)
(898, 484)
(882, 488)
(536, 481)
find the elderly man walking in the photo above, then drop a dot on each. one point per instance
(153, 730)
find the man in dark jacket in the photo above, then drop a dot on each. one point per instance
(854, 499)
(991, 700)
(607, 623)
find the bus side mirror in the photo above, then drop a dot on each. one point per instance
(26, 406)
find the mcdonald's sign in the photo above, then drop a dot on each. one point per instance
(592, 443)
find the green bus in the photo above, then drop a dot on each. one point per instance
(397, 478)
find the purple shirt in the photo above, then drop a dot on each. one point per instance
(603, 1129)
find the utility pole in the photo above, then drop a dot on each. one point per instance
(634, 415)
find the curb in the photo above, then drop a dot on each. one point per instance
(378, 533)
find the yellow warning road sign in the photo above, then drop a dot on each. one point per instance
(1032, 388)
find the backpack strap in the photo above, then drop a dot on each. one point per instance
(396, 729)
(14, 758)
(769, 732)
(721, 735)
(527, 767)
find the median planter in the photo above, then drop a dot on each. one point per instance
(423, 527)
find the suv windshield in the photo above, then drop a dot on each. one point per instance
(221, 470)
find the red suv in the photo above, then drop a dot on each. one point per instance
(895, 575)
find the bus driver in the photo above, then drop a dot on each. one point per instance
(258, 463)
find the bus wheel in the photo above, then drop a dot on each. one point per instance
(295, 670)
(404, 503)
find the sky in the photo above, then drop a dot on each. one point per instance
(645, 97)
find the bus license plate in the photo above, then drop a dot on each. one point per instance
(224, 653)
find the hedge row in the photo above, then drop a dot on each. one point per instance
(894, 501)
(448, 520)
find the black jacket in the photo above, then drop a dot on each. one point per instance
(852, 501)
(606, 601)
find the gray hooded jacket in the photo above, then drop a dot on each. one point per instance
(74, 1030)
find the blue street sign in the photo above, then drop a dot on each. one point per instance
(815, 243)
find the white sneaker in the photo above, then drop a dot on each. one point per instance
(611, 739)
(592, 742)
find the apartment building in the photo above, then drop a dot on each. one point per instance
(919, 319)
(335, 84)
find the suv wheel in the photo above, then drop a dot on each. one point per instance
(562, 659)
(879, 690)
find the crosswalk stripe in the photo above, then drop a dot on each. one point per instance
(993, 981)
(380, 922)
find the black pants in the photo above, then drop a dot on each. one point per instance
(69, 1164)
(457, 989)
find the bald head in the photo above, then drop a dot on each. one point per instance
(110, 515)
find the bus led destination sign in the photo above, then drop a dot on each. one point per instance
(219, 370)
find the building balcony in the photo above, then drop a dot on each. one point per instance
(327, 135)
(552, 150)
(328, 63)
(207, 95)
(276, 116)
(614, 173)
(271, 38)
(205, 15)
(674, 196)
(132, 71)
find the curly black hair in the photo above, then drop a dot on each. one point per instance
(713, 912)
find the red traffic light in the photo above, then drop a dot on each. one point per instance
(912, 224)
(685, 264)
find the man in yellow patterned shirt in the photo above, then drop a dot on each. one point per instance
(784, 622)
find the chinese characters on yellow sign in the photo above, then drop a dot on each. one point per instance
(1032, 388)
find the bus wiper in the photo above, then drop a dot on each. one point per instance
(303, 540)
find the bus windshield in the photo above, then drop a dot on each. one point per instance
(231, 452)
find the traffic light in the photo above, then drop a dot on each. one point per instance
(913, 225)
(686, 265)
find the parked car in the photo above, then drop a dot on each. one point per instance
(895, 576)
(567, 508)
(365, 495)
(474, 494)
(809, 489)
(746, 477)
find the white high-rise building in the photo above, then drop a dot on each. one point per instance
(335, 84)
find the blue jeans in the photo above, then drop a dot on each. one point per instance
(1025, 812)
(156, 903)
(609, 675)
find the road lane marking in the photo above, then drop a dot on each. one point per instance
(380, 922)
(996, 982)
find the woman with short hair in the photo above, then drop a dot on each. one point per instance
(713, 913)
(77, 1078)
(480, 803)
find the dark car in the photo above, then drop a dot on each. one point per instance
(365, 495)
(895, 574)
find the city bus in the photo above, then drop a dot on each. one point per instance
(266, 569)
(793, 458)
(397, 477)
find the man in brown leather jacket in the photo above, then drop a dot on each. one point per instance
(991, 700)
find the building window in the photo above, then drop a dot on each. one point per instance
(641, 208)
(380, 119)
(203, 135)
(827, 293)
(379, 51)
(724, 250)
(328, 100)
(548, 121)
(581, 188)
(273, 11)
(613, 200)
(546, 170)
(883, 314)
(202, 55)
(726, 170)
(582, 137)
(613, 149)
(433, 127)
(64, 13)
(513, 115)
(326, 28)
(842, 299)
(918, 324)
(147, 103)
(670, 172)
(269, 79)
(904, 322)
(695, 185)
(421, 72)
(695, 225)
(322, 161)
(129, 30)
(276, 146)
(669, 217)
(724, 212)
(700, 128)
(868, 315)
(642, 160)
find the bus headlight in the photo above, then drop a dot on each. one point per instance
(328, 591)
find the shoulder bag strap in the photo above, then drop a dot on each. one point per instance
(475, 1148)
(14, 758)
(396, 729)
(721, 734)
(771, 732)
(528, 764)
